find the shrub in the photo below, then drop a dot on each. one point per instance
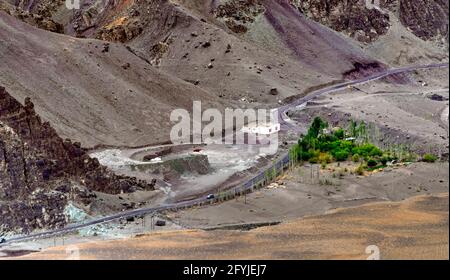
(375, 152)
(304, 155)
(409, 157)
(324, 139)
(429, 158)
(314, 156)
(325, 158)
(360, 169)
(372, 162)
(341, 155)
(346, 145)
(339, 134)
(384, 160)
(367, 150)
(389, 156)
(356, 158)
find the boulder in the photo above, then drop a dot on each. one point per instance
(160, 223)
(274, 91)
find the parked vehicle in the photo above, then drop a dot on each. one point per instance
(210, 196)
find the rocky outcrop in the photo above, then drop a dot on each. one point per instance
(123, 32)
(352, 17)
(44, 156)
(41, 18)
(27, 201)
(427, 19)
(238, 14)
(38, 171)
(123, 21)
(44, 8)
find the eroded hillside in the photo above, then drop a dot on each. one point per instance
(39, 171)
(93, 92)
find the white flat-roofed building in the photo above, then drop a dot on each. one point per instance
(263, 128)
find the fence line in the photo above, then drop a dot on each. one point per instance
(261, 180)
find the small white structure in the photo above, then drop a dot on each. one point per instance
(156, 160)
(263, 128)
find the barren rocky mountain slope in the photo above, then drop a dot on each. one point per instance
(352, 17)
(230, 52)
(39, 170)
(427, 19)
(399, 32)
(94, 92)
(240, 50)
(174, 52)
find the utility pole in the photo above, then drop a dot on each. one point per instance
(152, 226)
(318, 173)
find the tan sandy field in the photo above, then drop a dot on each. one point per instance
(416, 228)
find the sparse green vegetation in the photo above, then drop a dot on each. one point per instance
(325, 145)
(367, 150)
(429, 158)
(326, 182)
(372, 163)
